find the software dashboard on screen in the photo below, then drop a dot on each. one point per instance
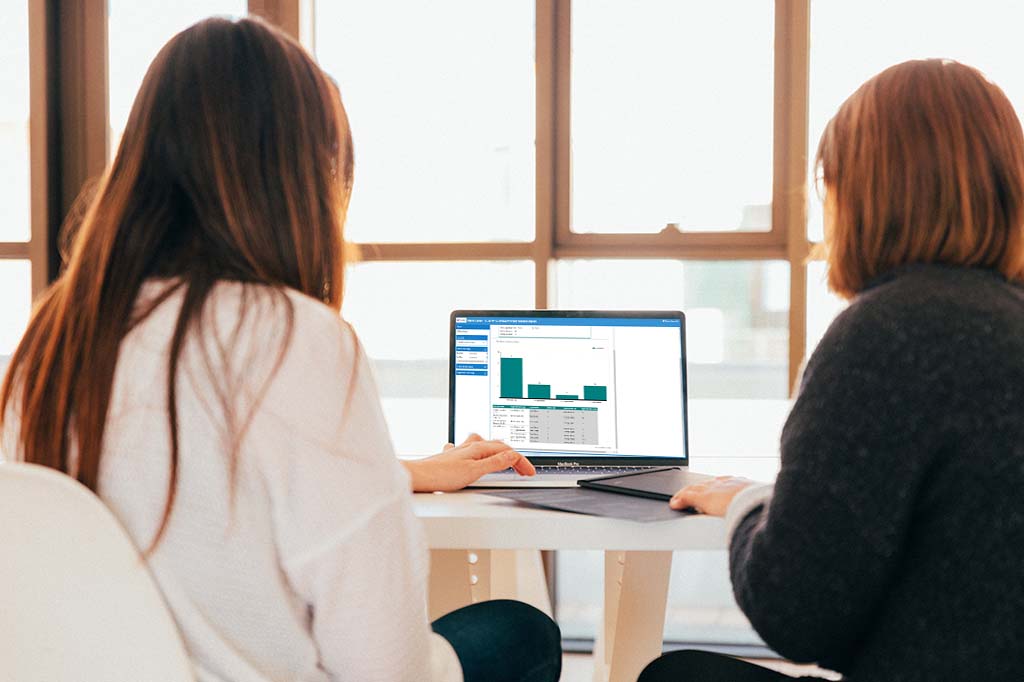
(590, 386)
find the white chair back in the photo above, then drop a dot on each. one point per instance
(76, 600)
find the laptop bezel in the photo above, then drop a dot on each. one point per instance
(577, 459)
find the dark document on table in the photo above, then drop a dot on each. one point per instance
(593, 502)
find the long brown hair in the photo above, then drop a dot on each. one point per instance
(924, 164)
(236, 164)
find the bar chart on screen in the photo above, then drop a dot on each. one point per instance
(512, 386)
(553, 387)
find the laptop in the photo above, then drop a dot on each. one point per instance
(581, 394)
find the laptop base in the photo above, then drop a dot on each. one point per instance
(551, 477)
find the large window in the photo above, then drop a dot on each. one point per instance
(562, 142)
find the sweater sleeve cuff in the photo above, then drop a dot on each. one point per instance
(743, 504)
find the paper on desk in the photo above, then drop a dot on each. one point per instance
(593, 502)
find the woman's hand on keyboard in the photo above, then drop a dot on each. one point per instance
(458, 466)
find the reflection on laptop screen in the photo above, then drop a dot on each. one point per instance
(586, 386)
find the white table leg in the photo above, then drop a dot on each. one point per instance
(518, 574)
(450, 584)
(460, 577)
(635, 594)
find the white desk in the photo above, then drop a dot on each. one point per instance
(477, 542)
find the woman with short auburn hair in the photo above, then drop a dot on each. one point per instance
(923, 164)
(190, 366)
(891, 546)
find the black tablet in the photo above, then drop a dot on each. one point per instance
(658, 484)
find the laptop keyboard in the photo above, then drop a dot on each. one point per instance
(591, 471)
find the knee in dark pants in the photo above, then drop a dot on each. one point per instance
(677, 666)
(539, 632)
(703, 666)
(504, 640)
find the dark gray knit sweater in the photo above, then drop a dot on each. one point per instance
(893, 546)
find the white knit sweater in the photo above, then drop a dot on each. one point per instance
(309, 564)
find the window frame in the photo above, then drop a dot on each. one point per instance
(69, 131)
(553, 236)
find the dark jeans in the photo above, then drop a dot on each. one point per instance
(503, 640)
(702, 666)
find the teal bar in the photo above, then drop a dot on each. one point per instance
(567, 397)
(595, 393)
(511, 377)
(539, 391)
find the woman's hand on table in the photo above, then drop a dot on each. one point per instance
(710, 497)
(459, 465)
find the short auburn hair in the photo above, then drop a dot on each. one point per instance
(924, 163)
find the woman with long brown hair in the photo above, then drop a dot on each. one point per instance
(191, 367)
(891, 546)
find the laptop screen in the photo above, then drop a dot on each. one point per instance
(607, 386)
